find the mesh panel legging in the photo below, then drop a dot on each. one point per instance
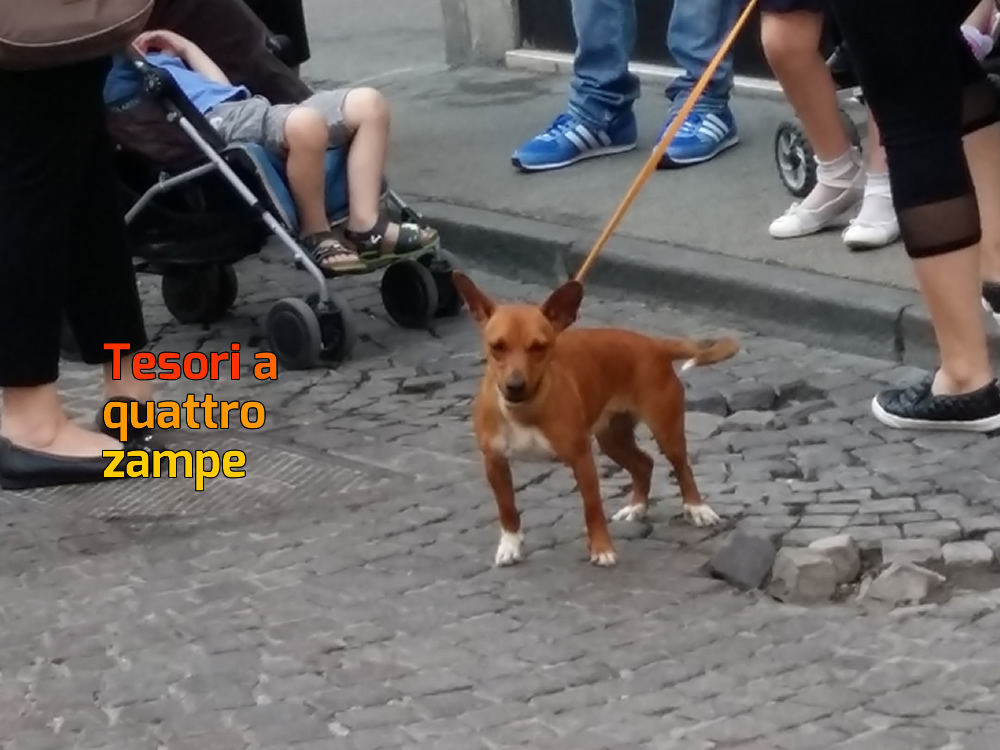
(925, 90)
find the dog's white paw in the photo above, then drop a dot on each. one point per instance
(509, 549)
(701, 515)
(604, 559)
(631, 512)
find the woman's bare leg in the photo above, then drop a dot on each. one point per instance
(34, 418)
(982, 150)
(791, 44)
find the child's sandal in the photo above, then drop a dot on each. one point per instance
(330, 256)
(410, 238)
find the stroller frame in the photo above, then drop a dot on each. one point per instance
(415, 288)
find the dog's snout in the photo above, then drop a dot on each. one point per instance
(515, 386)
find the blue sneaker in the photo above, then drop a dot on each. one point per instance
(703, 136)
(568, 141)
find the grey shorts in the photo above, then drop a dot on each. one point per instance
(256, 120)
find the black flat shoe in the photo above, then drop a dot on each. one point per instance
(136, 439)
(23, 468)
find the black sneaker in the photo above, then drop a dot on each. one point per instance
(916, 408)
(991, 299)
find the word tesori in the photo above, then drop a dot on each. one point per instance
(193, 365)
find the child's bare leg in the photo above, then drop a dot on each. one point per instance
(307, 137)
(876, 225)
(366, 116)
(791, 44)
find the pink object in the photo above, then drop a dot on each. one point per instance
(980, 43)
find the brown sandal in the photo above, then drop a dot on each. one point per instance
(330, 256)
(410, 238)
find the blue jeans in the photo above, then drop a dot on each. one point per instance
(603, 88)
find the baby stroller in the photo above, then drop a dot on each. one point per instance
(197, 206)
(794, 156)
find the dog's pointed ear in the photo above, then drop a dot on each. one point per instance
(479, 304)
(563, 304)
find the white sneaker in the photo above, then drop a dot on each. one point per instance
(869, 235)
(799, 221)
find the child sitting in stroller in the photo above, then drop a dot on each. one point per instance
(300, 134)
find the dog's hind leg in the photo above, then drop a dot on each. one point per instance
(617, 442)
(663, 413)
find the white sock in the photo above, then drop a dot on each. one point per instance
(833, 178)
(877, 208)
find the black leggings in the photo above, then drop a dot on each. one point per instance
(63, 250)
(926, 90)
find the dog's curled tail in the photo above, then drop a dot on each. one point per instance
(701, 352)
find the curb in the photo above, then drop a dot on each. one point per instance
(842, 314)
(561, 63)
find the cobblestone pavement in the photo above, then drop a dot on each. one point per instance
(370, 617)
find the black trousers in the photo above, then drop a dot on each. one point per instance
(63, 251)
(926, 90)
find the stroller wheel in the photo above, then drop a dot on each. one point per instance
(441, 263)
(337, 328)
(795, 159)
(192, 295)
(409, 294)
(229, 288)
(67, 344)
(294, 334)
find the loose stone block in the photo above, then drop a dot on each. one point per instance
(802, 576)
(922, 552)
(744, 560)
(965, 555)
(843, 552)
(902, 583)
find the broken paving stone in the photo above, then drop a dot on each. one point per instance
(743, 560)
(843, 552)
(964, 555)
(750, 396)
(922, 552)
(902, 583)
(748, 421)
(424, 384)
(802, 576)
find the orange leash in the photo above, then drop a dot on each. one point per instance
(654, 158)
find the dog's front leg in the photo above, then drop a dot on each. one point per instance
(502, 482)
(602, 551)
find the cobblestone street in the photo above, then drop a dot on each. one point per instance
(342, 595)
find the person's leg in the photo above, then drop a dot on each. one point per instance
(599, 120)
(302, 135)
(924, 90)
(875, 225)
(791, 40)
(982, 148)
(695, 33)
(359, 120)
(47, 145)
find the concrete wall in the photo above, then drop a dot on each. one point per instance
(479, 32)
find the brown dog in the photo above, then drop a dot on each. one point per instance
(547, 391)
